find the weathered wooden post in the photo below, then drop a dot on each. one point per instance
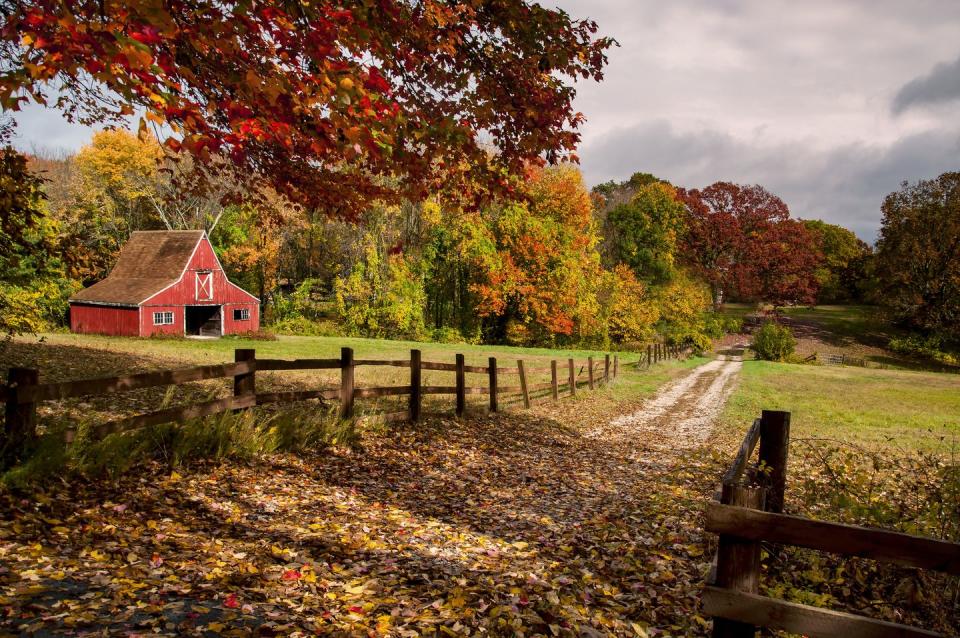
(492, 372)
(572, 369)
(738, 561)
(523, 383)
(553, 380)
(606, 369)
(21, 416)
(415, 385)
(461, 385)
(616, 364)
(346, 383)
(649, 354)
(774, 449)
(590, 372)
(245, 384)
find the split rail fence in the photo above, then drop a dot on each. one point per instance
(24, 390)
(751, 511)
(660, 352)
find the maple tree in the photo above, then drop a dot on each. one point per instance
(780, 265)
(331, 104)
(538, 261)
(918, 254)
(741, 239)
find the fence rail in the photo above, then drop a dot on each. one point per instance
(24, 391)
(750, 511)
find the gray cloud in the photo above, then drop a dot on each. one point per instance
(843, 185)
(942, 84)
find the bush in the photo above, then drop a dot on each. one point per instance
(773, 342)
(717, 325)
(931, 347)
(302, 326)
(449, 334)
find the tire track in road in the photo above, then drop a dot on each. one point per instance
(681, 415)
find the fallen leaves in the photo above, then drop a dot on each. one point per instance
(510, 524)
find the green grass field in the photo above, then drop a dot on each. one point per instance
(69, 356)
(287, 347)
(879, 408)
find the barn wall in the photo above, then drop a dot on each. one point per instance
(147, 329)
(104, 320)
(185, 291)
(231, 326)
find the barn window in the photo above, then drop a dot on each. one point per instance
(241, 314)
(204, 286)
(163, 318)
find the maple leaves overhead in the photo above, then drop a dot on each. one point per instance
(331, 105)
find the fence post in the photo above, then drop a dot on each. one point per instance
(245, 384)
(590, 372)
(415, 385)
(606, 369)
(21, 418)
(616, 362)
(553, 380)
(492, 372)
(346, 383)
(461, 386)
(649, 354)
(738, 561)
(523, 383)
(774, 449)
(572, 368)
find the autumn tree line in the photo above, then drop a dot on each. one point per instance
(555, 264)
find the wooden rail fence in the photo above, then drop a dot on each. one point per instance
(750, 510)
(24, 390)
(657, 352)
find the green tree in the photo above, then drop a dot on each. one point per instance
(33, 285)
(844, 271)
(645, 231)
(918, 255)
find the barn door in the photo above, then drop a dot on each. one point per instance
(204, 286)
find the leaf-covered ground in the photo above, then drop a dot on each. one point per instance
(520, 523)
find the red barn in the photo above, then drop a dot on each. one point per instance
(166, 282)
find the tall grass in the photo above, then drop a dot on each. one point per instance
(240, 436)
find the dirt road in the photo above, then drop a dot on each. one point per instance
(681, 415)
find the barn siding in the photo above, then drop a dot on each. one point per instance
(104, 320)
(231, 327)
(147, 329)
(185, 290)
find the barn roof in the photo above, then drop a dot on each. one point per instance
(150, 261)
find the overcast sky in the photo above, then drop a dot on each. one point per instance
(829, 104)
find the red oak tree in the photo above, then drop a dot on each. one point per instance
(330, 103)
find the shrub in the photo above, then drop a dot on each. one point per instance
(448, 334)
(932, 347)
(716, 325)
(296, 325)
(773, 342)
